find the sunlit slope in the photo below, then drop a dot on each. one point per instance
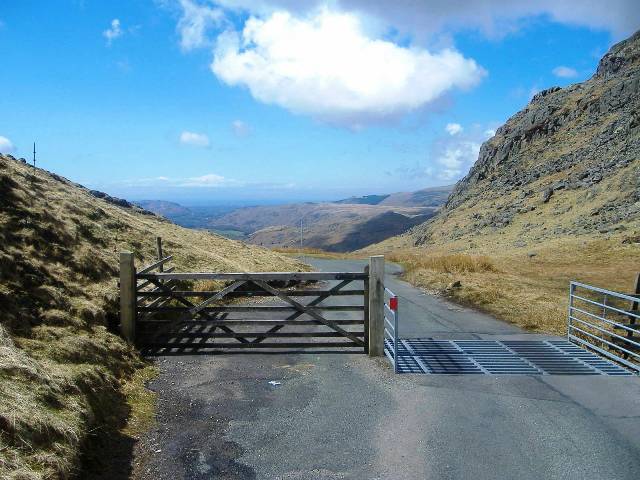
(60, 368)
(553, 196)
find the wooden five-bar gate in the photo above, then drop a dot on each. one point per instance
(166, 312)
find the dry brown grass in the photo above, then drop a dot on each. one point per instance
(528, 291)
(456, 263)
(62, 372)
(311, 252)
(299, 251)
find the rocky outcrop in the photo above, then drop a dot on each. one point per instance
(582, 141)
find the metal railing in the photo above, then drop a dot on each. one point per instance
(391, 327)
(605, 321)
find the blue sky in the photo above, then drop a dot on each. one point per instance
(252, 101)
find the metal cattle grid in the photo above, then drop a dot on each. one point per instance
(500, 357)
(601, 323)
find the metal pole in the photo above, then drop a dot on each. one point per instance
(572, 289)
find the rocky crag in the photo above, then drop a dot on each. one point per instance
(566, 165)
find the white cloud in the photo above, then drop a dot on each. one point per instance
(453, 155)
(6, 146)
(194, 139)
(453, 128)
(533, 91)
(456, 159)
(564, 72)
(326, 66)
(113, 32)
(195, 23)
(209, 180)
(240, 128)
(493, 18)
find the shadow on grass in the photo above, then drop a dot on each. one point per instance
(108, 453)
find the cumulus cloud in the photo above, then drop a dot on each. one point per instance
(240, 128)
(453, 128)
(453, 155)
(493, 18)
(455, 160)
(564, 72)
(195, 23)
(194, 139)
(6, 146)
(326, 66)
(113, 32)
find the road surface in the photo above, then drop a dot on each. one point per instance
(347, 416)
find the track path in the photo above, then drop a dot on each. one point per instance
(346, 416)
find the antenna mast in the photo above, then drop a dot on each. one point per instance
(34, 155)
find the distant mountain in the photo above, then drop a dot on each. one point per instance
(331, 234)
(329, 226)
(166, 209)
(366, 200)
(344, 225)
(190, 217)
(427, 197)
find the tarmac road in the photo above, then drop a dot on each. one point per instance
(347, 416)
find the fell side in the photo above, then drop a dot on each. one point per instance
(553, 196)
(61, 369)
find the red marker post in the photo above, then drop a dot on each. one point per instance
(393, 303)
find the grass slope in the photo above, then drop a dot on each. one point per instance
(525, 287)
(62, 372)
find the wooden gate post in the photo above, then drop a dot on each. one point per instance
(127, 296)
(159, 252)
(376, 306)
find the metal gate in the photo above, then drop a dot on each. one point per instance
(277, 310)
(606, 322)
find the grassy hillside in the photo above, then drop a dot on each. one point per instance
(553, 196)
(61, 370)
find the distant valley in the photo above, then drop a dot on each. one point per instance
(340, 226)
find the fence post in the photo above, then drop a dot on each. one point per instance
(366, 310)
(376, 306)
(127, 296)
(572, 289)
(159, 250)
